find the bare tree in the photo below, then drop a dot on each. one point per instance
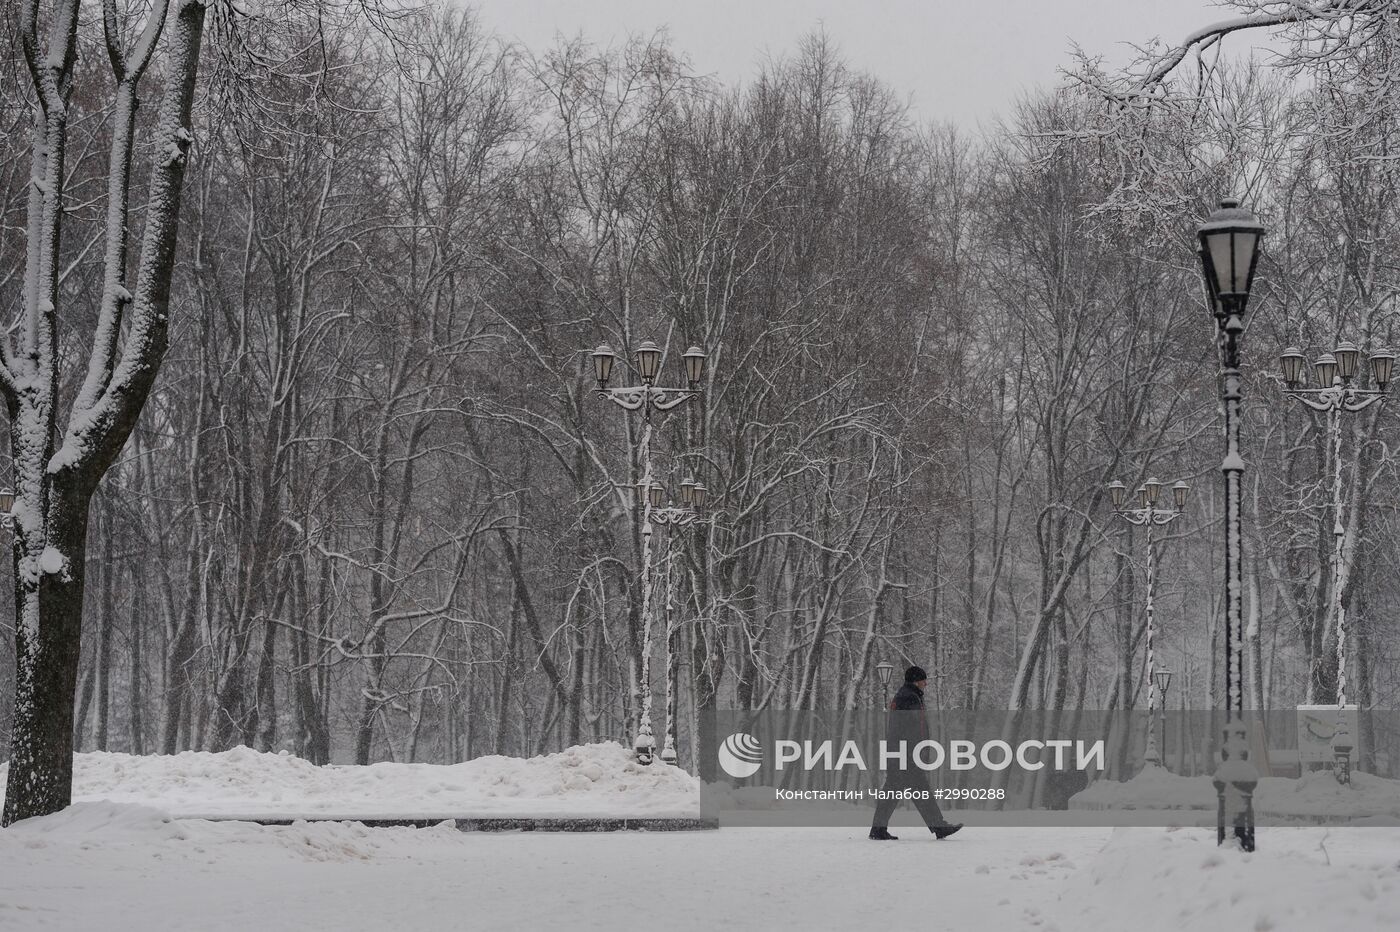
(58, 463)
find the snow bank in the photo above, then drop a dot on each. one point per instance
(1180, 879)
(1152, 788)
(130, 835)
(596, 780)
(111, 820)
(1319, 793)
(1315, 795)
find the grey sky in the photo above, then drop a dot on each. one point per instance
(961, 60)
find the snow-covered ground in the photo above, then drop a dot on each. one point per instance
(593, 780)
(115, 867)
(602, 780)
(118, 860)
(1315, 795)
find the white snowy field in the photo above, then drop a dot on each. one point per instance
(595, 780)
(117, 867)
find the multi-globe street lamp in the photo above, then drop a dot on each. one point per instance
(1337, 395)
(1150, 515)
(1229, 252)
(647, 397)
(693, 497)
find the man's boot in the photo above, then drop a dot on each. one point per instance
(946, 829)
(883, 834)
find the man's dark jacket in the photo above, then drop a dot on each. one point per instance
(906, 720)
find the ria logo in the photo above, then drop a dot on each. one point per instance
(740, 755)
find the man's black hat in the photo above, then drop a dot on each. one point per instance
(914, 674)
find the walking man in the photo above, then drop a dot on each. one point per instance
(907, 723)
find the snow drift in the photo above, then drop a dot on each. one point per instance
(596, 780)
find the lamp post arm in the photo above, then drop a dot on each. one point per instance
(1359, 399)
(1322, 400)
(680, 517)
(637, 397)
(673, 516)
(629, 399)
(1338, 397)
(1137, 517)
(664, 399)
(1140, 517)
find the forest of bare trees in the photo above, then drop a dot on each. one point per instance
(372, 509)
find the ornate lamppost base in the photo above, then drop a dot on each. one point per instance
(1341, 751)
(1151, 757)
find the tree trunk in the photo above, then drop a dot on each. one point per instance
(47, 639)
(103, 661)
(138, 699)
(84, 706)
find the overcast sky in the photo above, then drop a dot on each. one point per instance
(959, 60)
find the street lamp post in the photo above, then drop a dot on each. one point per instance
(668, 742)
(884, 670)
(1150, 516)
(693, 498)
(1337, 394)
(647, 397)
(1163, 680)
(1229, 252)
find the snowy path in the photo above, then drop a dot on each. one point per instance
(102, 866)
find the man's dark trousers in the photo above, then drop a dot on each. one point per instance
(908, 779)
